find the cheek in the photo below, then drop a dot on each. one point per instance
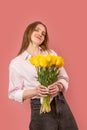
(32, 36)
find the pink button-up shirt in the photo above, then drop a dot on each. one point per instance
(23, 76)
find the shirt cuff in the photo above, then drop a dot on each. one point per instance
(19, 96)
(64, 82)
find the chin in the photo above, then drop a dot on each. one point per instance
(37, 42)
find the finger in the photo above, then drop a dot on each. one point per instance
(40, 91)
(52, 84)
(44, 89)
(42, 95)
(52, 87)
(52, 91)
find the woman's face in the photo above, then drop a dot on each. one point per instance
(38, 34)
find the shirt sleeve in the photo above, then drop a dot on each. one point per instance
(15, 91)
(63, 78)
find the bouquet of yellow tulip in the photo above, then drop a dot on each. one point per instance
(47, 70)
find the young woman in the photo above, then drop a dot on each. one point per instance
(24, 85)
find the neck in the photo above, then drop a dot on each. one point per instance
(33, 50)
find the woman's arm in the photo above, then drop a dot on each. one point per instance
(39, 91)
(17, 89)
(63, 78)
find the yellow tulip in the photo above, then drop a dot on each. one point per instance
(53, 61)
(59, 61)
(49, 57)
(43, 62)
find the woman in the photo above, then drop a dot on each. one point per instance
(24, 85)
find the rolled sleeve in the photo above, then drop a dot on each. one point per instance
(64, 83)
(16, 88)
(63, 78)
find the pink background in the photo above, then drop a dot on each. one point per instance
(67, 26)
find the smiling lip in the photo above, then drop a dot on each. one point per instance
(38, 37)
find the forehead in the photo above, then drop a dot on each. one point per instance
(41, 27)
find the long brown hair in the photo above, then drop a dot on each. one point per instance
(27, 37)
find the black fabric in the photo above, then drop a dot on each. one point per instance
(64, 114)
(60, 117)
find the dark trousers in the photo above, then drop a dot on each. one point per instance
(60, 117)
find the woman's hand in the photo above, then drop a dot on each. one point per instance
(55, 88)
(41, 91)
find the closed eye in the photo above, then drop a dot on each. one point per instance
(38, 29)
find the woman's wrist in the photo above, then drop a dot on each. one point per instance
(60, 86)
(29, 93)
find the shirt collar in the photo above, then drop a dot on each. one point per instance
(25, 55)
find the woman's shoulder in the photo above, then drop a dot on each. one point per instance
(15, 61)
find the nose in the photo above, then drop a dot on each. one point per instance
(40, 34)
